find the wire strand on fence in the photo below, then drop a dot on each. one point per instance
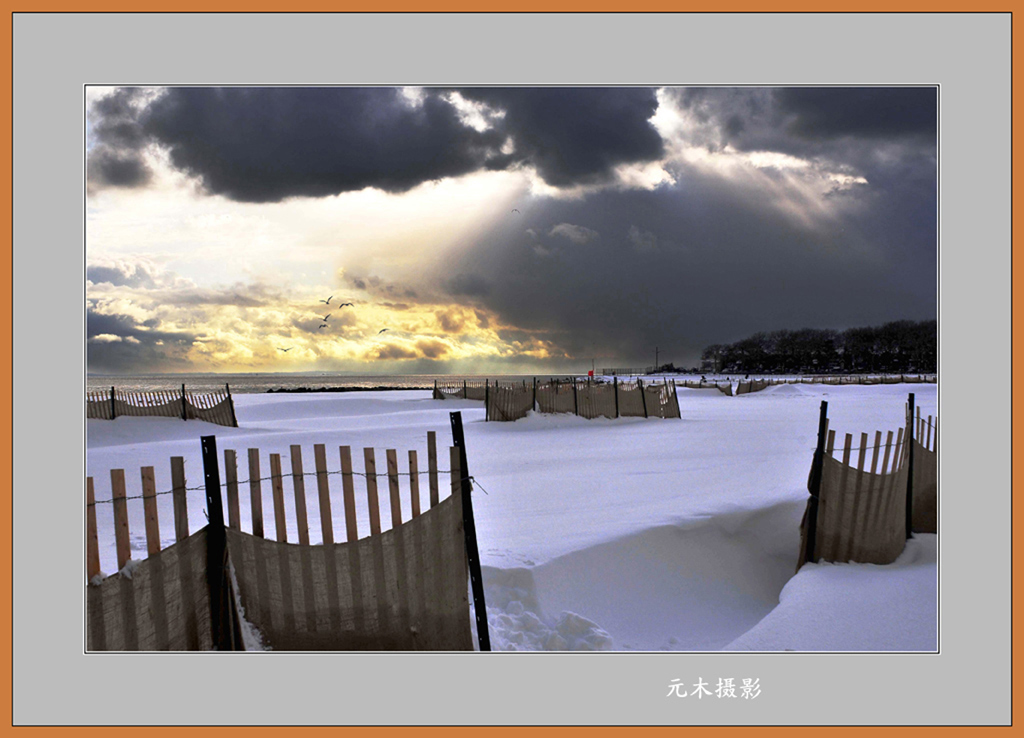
(242, 482)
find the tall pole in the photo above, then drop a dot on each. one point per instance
(469, 528)
(225, 628)
(910, 468)
(814, 484)
(231, 404)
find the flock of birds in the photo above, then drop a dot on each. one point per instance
(344, 304)
(324, 319)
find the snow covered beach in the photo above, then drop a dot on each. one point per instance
(627, 534)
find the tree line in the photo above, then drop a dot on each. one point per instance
(900, 347)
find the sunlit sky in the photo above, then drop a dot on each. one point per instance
(496, 230)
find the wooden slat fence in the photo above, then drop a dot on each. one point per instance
(862, 511)
(456, 389)
(401, 586)
(556, 396)
(862, 497)
(214, 407)
(587, 399)
(509, 401)
(756, 385)
(596, 400)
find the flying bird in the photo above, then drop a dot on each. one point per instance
(286, 350)
(323, 326)
(327, 301)
(326, 317)
(516, 210)
(341, 305)
(381, 331)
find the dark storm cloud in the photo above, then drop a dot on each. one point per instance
(831, 112)
(576, 135)
(840, 124)
(112, 325)
(707, 262)
(120, 343)
(111, 168)
(125, 327)
(117, 160)
(268, 144)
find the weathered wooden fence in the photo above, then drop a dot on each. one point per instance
(213, 407)
(509, 401)
(756, 385)
(460, 389)
(865, 512)
(402, 587)
(587, 399)
(556, 396)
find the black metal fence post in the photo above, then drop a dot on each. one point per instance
(465, 391)
(643, 395)
(910, 468)
(184, 413)
(113, 408)
(575, 398)
(615, 386)
(225, 628)
(534, 394)
(487, 399)
(469, 527)
(814, 484)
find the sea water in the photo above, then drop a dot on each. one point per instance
(264, 382)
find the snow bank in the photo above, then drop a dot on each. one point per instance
(627, 534)
(855, 607)
(692, 586)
